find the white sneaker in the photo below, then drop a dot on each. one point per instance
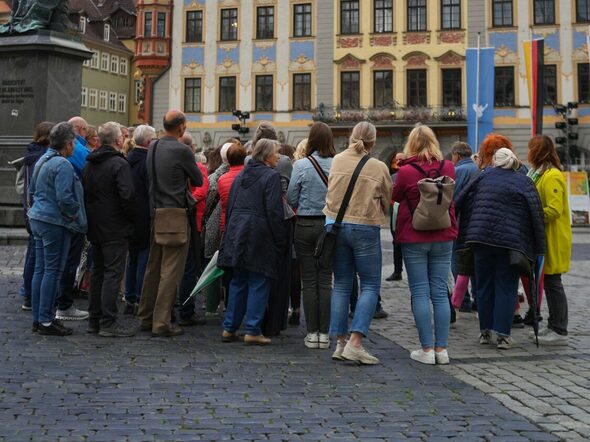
(552, 338)
(324, 340)
(71, 314)
(312, 340)
(504, 342)
(542, 332)
(442, 357)
(485, 337)
(337, 355)
(358, 354)
(425, 357)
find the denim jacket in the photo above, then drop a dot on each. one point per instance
(307, 191)
(56, 193)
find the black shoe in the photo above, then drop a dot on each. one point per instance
(192, 320)
(116, 330)
(93, 327)
(295, 318)
(380, 314)
(395, 276)
(26, 304)
(529, 319)
(517, 322)
(54, 329)
(130, 308)
(35, 327)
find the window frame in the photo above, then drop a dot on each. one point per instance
(351, 86)
(581, 80)
(376, 20)
(502, 3)
(103, 97)
(84, 97)
(106, 33)
(224, 89)
(384, 103)
(92, 97)
(458, 91)
(587, 7)
(123, 66)
(420, 5)
(112, 102)
(114, 63)
(82, 24)
(419, 95)
(300, 90)
(147, 14)
(105, 61)
(306, 19)
(122, 99)
(504, 103)
(544, 4)
(347, 25)
(553, 75)
(198, 31)
(268, 30)
(159, 21)
(193, 89)
(95, 60)
(231, 33)
(454, 6)
(261, 92)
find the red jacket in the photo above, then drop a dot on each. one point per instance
(223, 187)
(406, 188)
(200, 194)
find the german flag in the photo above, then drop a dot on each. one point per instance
(534, 61)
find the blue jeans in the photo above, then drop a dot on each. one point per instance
(248, 295)
(65, 295)
(29, 268)
(358, 251)
(497, 286)
(427, 265)
(52, 244)
(136, 265)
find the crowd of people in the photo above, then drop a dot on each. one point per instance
(105, 203)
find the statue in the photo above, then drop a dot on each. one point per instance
(32, 15)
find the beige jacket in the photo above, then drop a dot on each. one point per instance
(371, 197)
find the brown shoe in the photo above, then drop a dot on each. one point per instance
(256, 340)
(229, 337)
(174, 330)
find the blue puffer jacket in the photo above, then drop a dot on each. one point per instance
(501, 208)
(255, 230)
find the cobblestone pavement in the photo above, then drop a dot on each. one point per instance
(550, 386)
(194, 388)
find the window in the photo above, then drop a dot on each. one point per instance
(114, 64)
(383, 16)
(104, 62)
(264, 89)
(84, 95)
(550, 77)
(86, 63)
(349, 16)
(451, 87)
(582, 11)
(416, 15)
(122, 103)
(123, 66)
(161, 25)
(92, 98)
(112, 102)
(94, 60)
(504, 86)
(350, 90)
(192, 95)
(301, 91)
(107, 32)
(229, 24)
(451, 14)
(194, 26)
(147, 27)
(302, 20)
(82, 24)
(544, 12)
(265, 22)
(137, 86)
(227, 94)
(382, 88)
(502, 12)
(416, 87)
(584, 83)
(102, 100)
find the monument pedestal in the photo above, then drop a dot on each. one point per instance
(40, 80)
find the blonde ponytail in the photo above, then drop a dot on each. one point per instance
(364, 134)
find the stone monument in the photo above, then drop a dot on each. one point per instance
(40, 80)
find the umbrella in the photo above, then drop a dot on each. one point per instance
(209, 275)
(535, 284)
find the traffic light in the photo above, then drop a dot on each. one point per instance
(565, 145)
(241, 128)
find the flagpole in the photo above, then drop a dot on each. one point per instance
(476, 147)
(532, 86)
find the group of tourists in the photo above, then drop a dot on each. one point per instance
(292, 228)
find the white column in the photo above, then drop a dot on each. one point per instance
(245, 78)
(520, 80)
(210, 88)
(282, 81)
(566, 51)
(176, 57)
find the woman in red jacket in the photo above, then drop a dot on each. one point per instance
(236, 154)
(426, 253)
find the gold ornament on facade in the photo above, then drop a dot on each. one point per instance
(227, 62)
(503, 52)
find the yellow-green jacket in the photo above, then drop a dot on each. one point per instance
(552, 188)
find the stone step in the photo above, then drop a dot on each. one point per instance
(13, 236)
(11, 216)
(9, 196)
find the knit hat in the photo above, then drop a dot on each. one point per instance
(506, 159)
(223, 152)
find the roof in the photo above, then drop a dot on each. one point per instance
(4, 7)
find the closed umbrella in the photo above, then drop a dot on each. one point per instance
(209, 275)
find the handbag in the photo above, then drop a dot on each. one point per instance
(326, 244)
(170, 223)
(519, 262)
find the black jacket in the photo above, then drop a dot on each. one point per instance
(109, 195)
(141, 220)
(255, 230)
(502, 208)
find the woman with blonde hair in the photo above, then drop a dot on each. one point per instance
(426, 253)
(301, 150)
(358, 244)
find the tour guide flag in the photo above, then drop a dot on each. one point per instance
(534, 59)
(480, 94)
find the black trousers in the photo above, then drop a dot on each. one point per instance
(557, 304)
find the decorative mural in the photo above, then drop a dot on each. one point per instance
(302, 56)
(506, 44)
(264, 56)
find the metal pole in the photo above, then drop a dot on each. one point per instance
(476, 147)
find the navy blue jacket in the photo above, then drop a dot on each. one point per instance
(502, 208)
(255, 230)
(141, 221)
(465, 169)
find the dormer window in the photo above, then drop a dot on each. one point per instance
(82, 24)
(107, 32)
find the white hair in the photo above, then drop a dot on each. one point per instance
(142, 135)
(109, 132)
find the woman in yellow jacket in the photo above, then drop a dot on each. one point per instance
(552, 188)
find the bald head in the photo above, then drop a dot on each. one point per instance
(174, 123)
(80, 126)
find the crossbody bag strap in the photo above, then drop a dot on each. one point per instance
(155, 177)
(319, 170)
(44, 159)
(350, 188)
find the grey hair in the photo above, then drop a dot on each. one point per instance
(109, 132)
(264, 130)
(264, 148)
(142, 134)
(61, 134)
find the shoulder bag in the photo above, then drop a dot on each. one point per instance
(326, 243)
(170, 223)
